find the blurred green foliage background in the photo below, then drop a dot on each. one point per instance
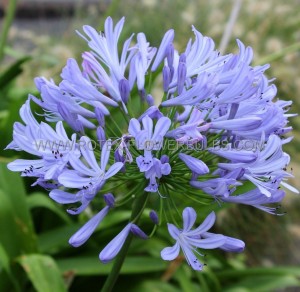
(34, 250)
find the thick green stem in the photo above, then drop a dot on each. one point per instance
(139, 205)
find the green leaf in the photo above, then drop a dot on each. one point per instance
(5, 266)
(43, 273)
(20, 236)
(54, 240)
(184, 278)
(203, 282)
(12, 72)
(40, 200)
(264, 283)
(155, 286)
(91, 265)
(279, 54)
(4, 260)
(294, 271)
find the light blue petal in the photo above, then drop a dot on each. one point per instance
(115, 168)
(29, 146)
(206, 225)
(170, 253)
(134, 127)
(105, 154)
(142, 141)
(241, 124)
(231, 244)
(22, 164)
(70, 179)
(189, 217)
(162, 126)
(212, 242)
(174, 231)
(235, 155)
(144, 163)
(86, 149)
(80, 167)
(53, 171)
(62, 197)
(76, 211)
(191, 258)
(165, 169)
(61, 132)
(161, 53)
(148, 126)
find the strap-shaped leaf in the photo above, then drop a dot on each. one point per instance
(43, 273)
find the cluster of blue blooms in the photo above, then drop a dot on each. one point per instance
(205, 98)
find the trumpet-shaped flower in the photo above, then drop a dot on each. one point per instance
(52, 147)
(92, 177)
(156, 171)
(89, 180)
(189, 239)
(267, 163)
(146, 139)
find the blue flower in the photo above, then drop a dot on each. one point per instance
(89, 180)
(156, 171)
(74, 83)
(141, 61)
(199, 91)
(261, 167)
(93, 70)
(52, 147)
(190, 131)
(222, 186)
(147, 139)
(258, 200)
(60, 105)
(105, 47)
(163, 49)
(189, 239)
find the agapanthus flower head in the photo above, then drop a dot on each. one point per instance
(213, 134)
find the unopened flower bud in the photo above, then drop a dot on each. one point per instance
(154, 217)
(150, 100)
(124, 90)
(100, 116)
(109, 200)
(138, 231)
(101, 136)
(166, 78)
